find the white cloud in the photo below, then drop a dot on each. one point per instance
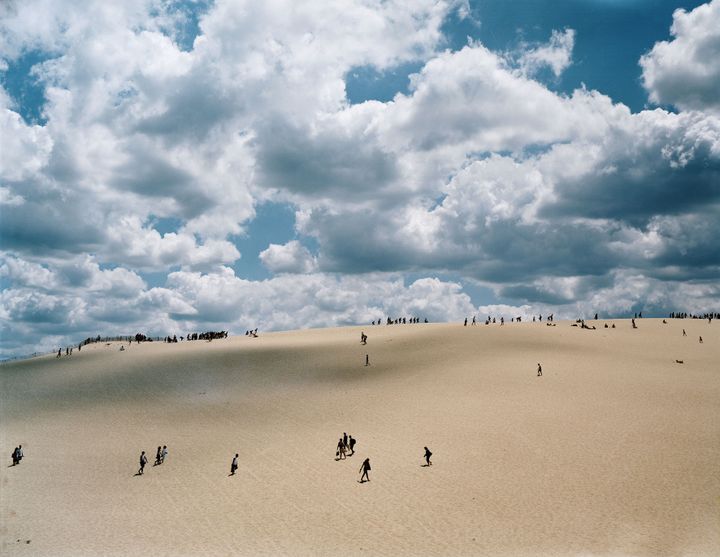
(291, 257)
(685, 71)
(154, 158)
(555, 55)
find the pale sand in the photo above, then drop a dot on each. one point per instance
(614, 451)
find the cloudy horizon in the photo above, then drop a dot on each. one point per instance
(174, 166)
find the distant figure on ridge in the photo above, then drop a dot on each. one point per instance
(539, 374)
(428, 454)
(234, 465)
(365, 468)
(143, 462)
(465, 324)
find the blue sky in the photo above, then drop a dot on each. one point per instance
(174, 166)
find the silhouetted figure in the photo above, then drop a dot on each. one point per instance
(367, 359)
(365, 468)
(539, 374)
(428, 454)
(234, 465)
(143, 462)
(473, 321)
(59, 353)
(465, 324)
(17, 455)
(633, 324)
(345, 440)
(340, 451)
(701, 341)
(158, 456)
(352, 442)
(163, 454)
(363, 338)
(596, 317)
(684, 333)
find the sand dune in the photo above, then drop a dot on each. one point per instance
(614, 451)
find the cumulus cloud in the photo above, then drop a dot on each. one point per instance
(555, 55)
(478, 171)
(685, 71)
(291, 257)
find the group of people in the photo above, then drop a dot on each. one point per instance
(160, 457)
(400, 321)
(251, 333)
(68, 350)
(345, 443)
(17, 455)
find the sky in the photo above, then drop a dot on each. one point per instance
(175, 166)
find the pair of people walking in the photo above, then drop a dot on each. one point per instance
(161, 454)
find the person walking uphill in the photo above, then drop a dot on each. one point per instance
(539, 370)
(143, 462)
(234, 465)
(17, 455)
(428, 454)
(365, 468)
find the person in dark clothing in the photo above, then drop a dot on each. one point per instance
(234, 465)
(428, 454)
(352, 442)
(158, 456)
(143, 462)
(365, 468)
(539, 373)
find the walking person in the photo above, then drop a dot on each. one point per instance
(163, 454)
(345, 439)
(367, 359)
(352, 442)
(158, 456)
(340, 451)
(365, 468)
(143, 462)
(428, 454)
(539, 373)
(234, 465)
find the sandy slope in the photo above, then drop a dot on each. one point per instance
(614, 451)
